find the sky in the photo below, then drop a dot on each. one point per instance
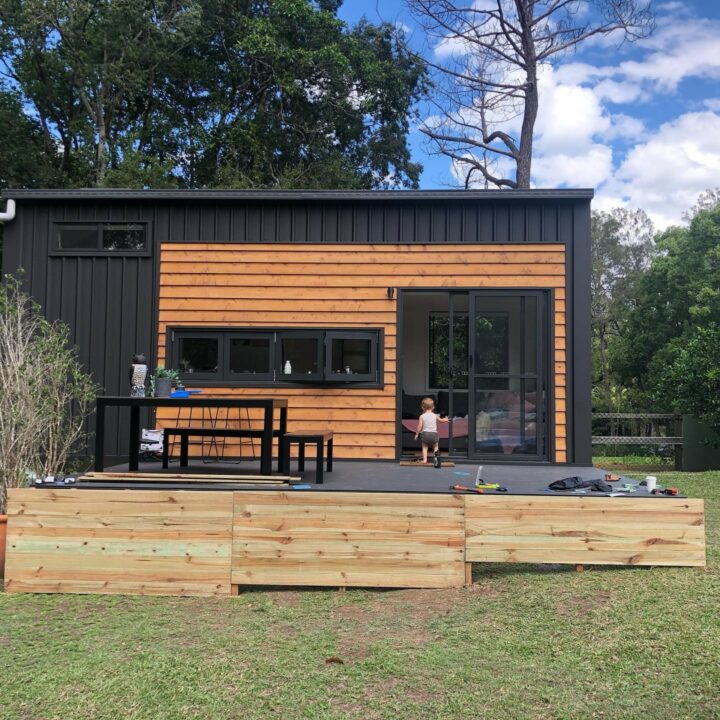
(638, 122)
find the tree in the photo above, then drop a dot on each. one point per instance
(240, 93)
(24, 155)
(495, 51)
(622, 249)
(687, 373)
(678, 298)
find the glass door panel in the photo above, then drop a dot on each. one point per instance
(507, 375)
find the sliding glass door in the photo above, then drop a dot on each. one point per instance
(507, 375)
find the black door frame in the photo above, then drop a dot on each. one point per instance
(542, 375)
(548, 358)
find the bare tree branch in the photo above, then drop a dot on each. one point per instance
(487, 72)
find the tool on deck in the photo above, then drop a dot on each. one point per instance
(666, 491)
(465, 488)
(612, 477)
(488, 486)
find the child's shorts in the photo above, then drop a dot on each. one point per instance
(429, 438)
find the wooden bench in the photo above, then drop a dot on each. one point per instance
(186, 432)
(302, 437)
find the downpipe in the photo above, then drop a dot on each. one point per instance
(9, 213)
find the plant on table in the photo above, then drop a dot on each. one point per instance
(163, 373)
(46, 394)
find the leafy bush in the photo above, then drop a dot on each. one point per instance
(45, 394)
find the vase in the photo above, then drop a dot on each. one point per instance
(163, 386)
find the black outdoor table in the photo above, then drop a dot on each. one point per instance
(194, 401)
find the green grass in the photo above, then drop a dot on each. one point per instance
(523, 642)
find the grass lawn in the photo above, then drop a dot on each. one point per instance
(523, 642)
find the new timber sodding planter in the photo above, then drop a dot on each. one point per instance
(187, 542)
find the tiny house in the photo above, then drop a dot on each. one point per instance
(352, 305)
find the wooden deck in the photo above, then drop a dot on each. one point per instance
(187, 542)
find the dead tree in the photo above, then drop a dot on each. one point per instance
(493, 50)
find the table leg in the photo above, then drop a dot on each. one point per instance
(283, 466)
(301, 456)
(184, 449)
(266, 443)
(283, 456)
(330, 455)
(320, 461)
(166, 450)
(100, 436)
(134, 455)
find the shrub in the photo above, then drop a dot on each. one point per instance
(45, 395)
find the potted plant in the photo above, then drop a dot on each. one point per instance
(163, 381)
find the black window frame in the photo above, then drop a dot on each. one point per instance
(244, 335)
(343, 377)
(182, 335)
(297, 377)
(323, 378)
(99, 250)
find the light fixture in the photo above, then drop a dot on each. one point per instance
(390, 293)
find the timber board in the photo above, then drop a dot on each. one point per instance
(588, 531)
(349, 539)
(145, 542)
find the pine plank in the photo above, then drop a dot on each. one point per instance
(575, 530)
(135, 542)
(349, 539)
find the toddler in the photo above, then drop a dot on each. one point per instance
(427, 430)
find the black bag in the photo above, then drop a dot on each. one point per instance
(569, 483)
(575, 482)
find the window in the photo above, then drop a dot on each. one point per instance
(250, 357)
(228, 356)
(300, 355)
(199, 356)
(94, 238)
(350, 356)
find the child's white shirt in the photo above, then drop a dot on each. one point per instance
(429, 421)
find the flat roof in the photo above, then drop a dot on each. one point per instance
(269, 195)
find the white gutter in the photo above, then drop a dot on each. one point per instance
(9, 213)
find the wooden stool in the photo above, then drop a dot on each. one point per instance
(301, 437)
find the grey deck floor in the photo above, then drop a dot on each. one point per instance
(391, 477)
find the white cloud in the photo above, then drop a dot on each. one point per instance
(588, 168)
(665, 174)
(585, 109)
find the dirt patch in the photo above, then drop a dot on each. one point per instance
(579, 606)
(285, 598)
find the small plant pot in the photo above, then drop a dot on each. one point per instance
(163, 386)
(3, 538)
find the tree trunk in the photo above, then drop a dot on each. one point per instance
(524, 161)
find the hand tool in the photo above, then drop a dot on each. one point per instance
(465, 488)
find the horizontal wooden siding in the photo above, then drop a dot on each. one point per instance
(344, 285)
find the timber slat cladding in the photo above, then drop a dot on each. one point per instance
(344, 285)
(589, 531)
(348, 539)
(149, 542)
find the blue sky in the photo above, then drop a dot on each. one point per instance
(640, 122)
